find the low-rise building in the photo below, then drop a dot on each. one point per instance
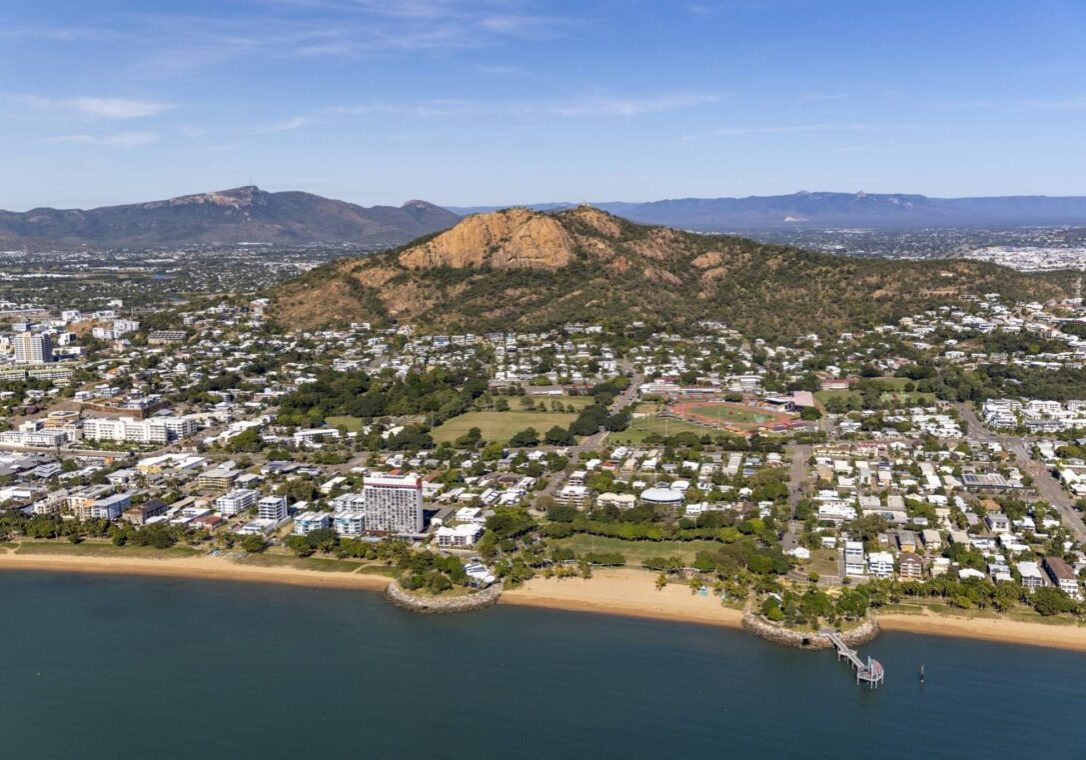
(1032, 579)
(458, 536)
(1062, 575)
(139, 514)
(307, 522)
(910, 567)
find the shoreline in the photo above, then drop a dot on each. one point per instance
(198, 567)
(1069, 636)
(622, 591)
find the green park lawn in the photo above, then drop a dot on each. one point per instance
(824, 562)
(501, 426)
(350, 424)
(577, 402)
(94, 549)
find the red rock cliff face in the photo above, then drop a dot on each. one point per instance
(517, 238)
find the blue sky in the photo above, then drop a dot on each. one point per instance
(511, 101)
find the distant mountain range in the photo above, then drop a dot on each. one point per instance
(887, 211)
(251, 215)
(241, 215)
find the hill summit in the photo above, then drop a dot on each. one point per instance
(524, 269)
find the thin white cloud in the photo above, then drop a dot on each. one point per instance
(627, 107)
(119, 108)
(282, 126)
(116, 140)
(596, 106)
(169, 43)
(1025, 104)
(786, 129)
(99, 107)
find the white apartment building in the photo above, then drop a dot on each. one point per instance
(272, 508)
(577, 497)
(124, 326)
(393, 503)
(233, 502)
(880, 564)
(855, 563)
(458, 536)
(31, 434)
(307, 522)
(110, 507)
(351, 522)
(159, 430)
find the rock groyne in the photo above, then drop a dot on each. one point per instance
(759, 626)
(434, 605)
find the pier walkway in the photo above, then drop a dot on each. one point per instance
(870, 672)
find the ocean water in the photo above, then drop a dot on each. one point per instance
(124, 667)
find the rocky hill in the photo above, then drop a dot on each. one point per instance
(519, 268)
(242, 215)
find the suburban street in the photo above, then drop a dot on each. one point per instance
(1046, 484)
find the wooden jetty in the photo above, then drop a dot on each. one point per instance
(870, 672)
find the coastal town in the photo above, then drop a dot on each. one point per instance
(531, 379)
(811, 482)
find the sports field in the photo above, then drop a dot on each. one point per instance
(729, 413)
(644, 426)
(739, 418)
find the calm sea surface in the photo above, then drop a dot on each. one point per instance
(113, 667)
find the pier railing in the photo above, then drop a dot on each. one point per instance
(870, 672)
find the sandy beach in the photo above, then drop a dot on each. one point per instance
(624, 592)
(1056, 635)
(616, 591)
(211, 568)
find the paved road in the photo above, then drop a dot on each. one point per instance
(796, 475)
(594, 441)
(1050, 489)
(66, 452)
(1047, 486)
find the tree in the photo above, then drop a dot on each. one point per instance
(852, 603)
(559, 436)
(254, 544)
(525, 439)
(810, 413)
(1051, 601)
(439, 583)
(470, 439)
(299, 546)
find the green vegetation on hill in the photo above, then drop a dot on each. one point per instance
(585, 265)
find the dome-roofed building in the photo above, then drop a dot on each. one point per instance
(657, 496)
